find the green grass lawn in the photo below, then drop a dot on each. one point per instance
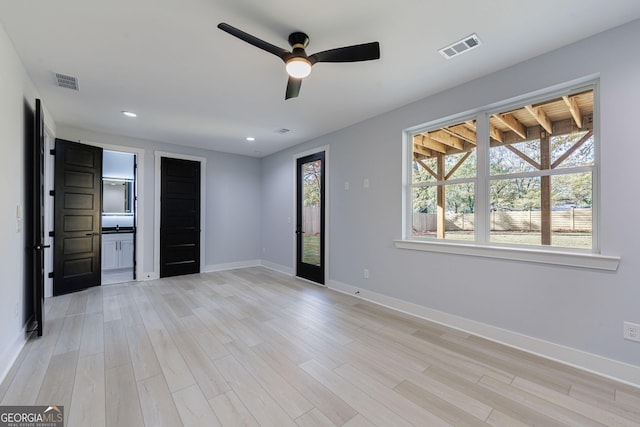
(311, 250)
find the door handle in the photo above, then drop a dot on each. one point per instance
(41, 247)
(92, 234)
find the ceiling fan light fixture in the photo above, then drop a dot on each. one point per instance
(298, 67)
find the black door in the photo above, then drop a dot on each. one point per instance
(310, 217)
(37, 218)
(77, 216)
(34, 219)
(179, 217)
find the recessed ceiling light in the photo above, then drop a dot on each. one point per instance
(250, 138)
(129, 114)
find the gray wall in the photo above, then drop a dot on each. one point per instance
(579, 308)
(16, 92)
(232, 198)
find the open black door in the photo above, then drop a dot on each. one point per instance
(310, 217)
(33, 316)
(37, 218)
(77, 216)
(179, 217)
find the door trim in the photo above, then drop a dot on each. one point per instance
(327, 216)
(156, 215)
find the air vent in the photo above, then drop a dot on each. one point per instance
(68, 82)
(283, 130)
(461, 46)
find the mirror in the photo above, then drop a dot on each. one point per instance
(117, 196)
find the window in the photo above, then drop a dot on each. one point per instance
(443, 182)
(521, 174)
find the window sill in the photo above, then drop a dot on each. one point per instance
(570, 259)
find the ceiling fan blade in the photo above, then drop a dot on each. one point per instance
(359, 52)
(293, 87)
(261, 44)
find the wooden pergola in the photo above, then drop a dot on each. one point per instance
(561, 116)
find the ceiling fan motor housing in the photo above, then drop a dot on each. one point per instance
(298, 40)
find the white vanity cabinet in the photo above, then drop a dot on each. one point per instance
(117, 251)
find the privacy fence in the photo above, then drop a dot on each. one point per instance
(311, 220)
(566, 220)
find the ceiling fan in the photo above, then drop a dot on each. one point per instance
(298, 63)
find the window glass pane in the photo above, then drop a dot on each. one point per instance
(458, 222)
(424, 170)
(515, 211)
(311, 211)
(518, 212)
(461, 165)
(514, 158)
(572, 150)
(572, 211)
(445, 153)
(519, 194)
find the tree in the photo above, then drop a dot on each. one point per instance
(311, 179)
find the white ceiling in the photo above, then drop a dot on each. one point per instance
(195, 85)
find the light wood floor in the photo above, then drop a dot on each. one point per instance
(252, 347)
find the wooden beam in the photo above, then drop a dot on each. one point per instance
(512, 123)
(523, 156)
(541, 117)
(429, 143)
(571, 149)
(545, 191)
(455, 168)
(561, 127)
(423, 151)
(573, 109)
(444, 137)
(462, 132)
(495, 133)
(427, 168)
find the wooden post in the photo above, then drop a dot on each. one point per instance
(545, 189)
(440, 222)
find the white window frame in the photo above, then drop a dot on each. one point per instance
(482, 246)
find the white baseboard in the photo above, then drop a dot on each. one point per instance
(277, 267)
(231, 266)
(149, 275)
(619, 371)
(11, 353)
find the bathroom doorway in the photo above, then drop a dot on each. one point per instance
(119, 217)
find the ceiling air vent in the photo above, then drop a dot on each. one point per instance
(461, 46)
(68, 82)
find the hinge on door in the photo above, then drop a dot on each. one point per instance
(51, 275)
(52, 234)
(52, 193)
(52, 151)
